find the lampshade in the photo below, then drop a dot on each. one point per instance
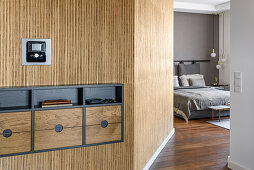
(223, 60)
(213, 54)
(218, 66)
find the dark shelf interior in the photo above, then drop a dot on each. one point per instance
(15, 99)
(114, 93)
(72, 94)
(29, 98)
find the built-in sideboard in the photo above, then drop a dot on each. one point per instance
(26, 127)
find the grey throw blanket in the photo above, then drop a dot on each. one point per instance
(187, 100)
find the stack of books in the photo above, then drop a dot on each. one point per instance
(56, 103)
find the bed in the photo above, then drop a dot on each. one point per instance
(192, 102)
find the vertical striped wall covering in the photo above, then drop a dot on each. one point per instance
(96, 41)
(153, 96)
(92, 42)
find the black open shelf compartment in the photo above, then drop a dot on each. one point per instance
(111, 92)
(72, 94)
(17, 99)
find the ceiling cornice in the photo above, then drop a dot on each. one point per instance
(200, 8)
(223, 7)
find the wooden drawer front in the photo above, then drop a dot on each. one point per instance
(16, 122)
(48, 139)
(98, 134)
(19, 126)
(48, 119)
(95, 115)
(16, 143)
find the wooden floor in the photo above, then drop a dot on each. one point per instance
(197, 145)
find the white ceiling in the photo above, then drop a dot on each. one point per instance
(202, 6)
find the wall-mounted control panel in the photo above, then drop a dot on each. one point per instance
(36, 52)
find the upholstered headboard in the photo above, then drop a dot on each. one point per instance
(185, 69)
(175, 69)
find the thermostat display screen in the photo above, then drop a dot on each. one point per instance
(36, 47)
(34, 51)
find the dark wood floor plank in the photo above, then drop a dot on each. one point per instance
(196, 145)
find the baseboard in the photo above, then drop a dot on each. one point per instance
(235, 166)
(157, 152)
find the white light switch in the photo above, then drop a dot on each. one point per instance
(238, 82)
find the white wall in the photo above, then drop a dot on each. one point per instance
(242, 59)
(225, 70)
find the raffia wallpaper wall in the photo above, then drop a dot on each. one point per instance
(96, 41)
(153, 73)
(92, 42)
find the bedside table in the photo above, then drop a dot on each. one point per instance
(222, 87)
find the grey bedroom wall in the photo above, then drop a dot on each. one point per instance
(193, 40)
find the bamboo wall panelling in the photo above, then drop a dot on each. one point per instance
(92, 42)
(95, 41)
(153, 118)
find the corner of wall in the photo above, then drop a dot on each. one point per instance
(235, 166)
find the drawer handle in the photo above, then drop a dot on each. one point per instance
(7, 133)
(59, 128)
(104, 124)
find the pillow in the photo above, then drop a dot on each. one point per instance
(185, 79)
(198, 82)
(176, 82)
